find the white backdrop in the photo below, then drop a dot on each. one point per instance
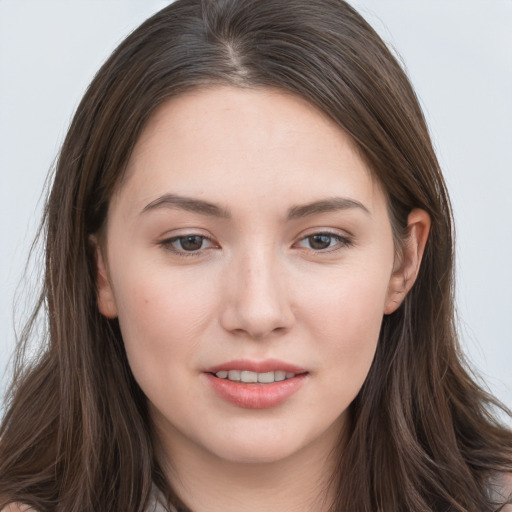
(457, 53)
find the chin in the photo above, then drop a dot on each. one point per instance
(264, 453)
(260, 445)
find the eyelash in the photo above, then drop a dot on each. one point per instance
(168, 244)
(340, 243)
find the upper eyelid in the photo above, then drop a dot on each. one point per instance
(185, 235)
(343, 233)
(184, 232)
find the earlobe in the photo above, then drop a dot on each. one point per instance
(105, 294)
(403, 277)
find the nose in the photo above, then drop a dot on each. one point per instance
(257, 299)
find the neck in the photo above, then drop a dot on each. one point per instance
(208, 483)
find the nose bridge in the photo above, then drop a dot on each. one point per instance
(257, 301)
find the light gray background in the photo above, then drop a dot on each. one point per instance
(458, 54)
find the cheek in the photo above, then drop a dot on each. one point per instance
(345, 319)
(161, 315)
(351, 299)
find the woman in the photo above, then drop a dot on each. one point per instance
(249, 284)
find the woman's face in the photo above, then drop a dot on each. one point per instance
(247, 241)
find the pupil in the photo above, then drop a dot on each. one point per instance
(319, 241)
(191, 243)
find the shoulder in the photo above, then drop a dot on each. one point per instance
(504, 484)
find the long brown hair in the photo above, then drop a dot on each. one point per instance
(76, 435)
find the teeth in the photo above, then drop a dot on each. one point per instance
(279, 375)
(266, 377)
(253, 377)
(248, 376)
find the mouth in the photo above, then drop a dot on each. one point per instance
(256, 385)
(250, 377)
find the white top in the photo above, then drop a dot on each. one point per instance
(156, 503)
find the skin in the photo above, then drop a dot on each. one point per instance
(257, 288)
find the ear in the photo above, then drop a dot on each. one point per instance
(105, 293)
(407, 268)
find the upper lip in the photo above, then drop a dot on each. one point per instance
(267, 365)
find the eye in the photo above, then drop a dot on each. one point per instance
(187, 243)
(324, 242)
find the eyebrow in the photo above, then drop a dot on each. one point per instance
(325, 206)
(295, 212)
(189, 204)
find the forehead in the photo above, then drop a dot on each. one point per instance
(225, 143)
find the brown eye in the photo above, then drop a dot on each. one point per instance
(319, 242)
(191, 243)
(324, 242)
(187, 244)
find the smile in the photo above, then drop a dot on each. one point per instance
(250, 384)
(255, 377)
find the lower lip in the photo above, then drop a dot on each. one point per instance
(256, 396)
